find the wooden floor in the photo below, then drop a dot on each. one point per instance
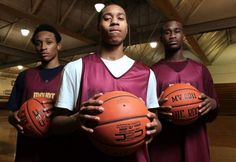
(222, 136)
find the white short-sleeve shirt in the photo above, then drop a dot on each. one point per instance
(72, 74)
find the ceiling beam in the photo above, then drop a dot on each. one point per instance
(36, 6)
(37, 20)
(210, 26)
(168, 10)
(16, 52)
(67, 12)
(17, 62)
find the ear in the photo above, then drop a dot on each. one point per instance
(184, 38)
(58, 46)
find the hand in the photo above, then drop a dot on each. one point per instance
(164, 111)
(153, 128)
(86, 117)
(14, 120)
(207, 104)
(49, 104)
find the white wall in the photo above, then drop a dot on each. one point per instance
(223, 69)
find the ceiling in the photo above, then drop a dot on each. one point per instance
(209, 26)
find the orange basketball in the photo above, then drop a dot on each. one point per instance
(122, 127)
(184, 101)
(33, 118)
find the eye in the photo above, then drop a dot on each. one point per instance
(107, 17)
(121, 18)
(178, 30)
(49, 42)
(37, 43)
(166, 32)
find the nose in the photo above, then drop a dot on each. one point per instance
(43, 46)
(114, 21)
(172, 35)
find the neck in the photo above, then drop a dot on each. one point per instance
(111, 52)
(51, 64)
(174, 56)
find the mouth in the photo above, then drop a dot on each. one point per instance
(114, 31)
(173, 43)
(44, 54)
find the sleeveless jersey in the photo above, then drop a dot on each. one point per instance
(33, 149)
(182, 143)
(96, 78)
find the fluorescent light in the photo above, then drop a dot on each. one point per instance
(153, 44)
(25, 32)
(20, 67)
(99, 7)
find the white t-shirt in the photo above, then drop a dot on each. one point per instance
(70, 85)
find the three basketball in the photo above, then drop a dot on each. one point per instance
(34, 121)
(122, 127)
(184, 100)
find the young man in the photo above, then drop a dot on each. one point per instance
(182, 143)
(43, 79)
(86, 79)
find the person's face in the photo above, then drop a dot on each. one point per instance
(47, 46)
(172, 35)
(113, 25)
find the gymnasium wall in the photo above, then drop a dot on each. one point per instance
(6, 85)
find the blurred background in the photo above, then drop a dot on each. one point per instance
(209, 25)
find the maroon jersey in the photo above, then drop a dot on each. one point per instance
(97, 78)
(183, 143)
(32, 149)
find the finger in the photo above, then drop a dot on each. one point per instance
(149, 140)
(92, 110)
(97, 95)
(16, 118)
(166, 114)
(92, 102)
(204, 110)
(202, 96)
(86, 129)
(19, 128)
(164, 109)
(85, 119)
(47, 101)
(162, 100)
(48, 108)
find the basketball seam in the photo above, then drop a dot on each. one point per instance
(32, 120)
(113, 121)
(186, 104)
(119, 96)
(182, 89)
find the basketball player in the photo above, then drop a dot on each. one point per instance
(182, 143)
(42, 81)
(86, 79)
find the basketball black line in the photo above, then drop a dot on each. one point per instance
(183, 89)
(117, 120)
(187, 104)
(31, 118)
(120, 96)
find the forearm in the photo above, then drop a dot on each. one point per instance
(62, 125)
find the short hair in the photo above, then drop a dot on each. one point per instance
(46, 27)
(164, 22)
(109, 4)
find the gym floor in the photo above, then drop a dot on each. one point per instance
(222, 136)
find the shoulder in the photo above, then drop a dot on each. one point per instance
(73, 65)
(195, 63)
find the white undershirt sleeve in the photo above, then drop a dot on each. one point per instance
(152, 101)
(70, 85)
